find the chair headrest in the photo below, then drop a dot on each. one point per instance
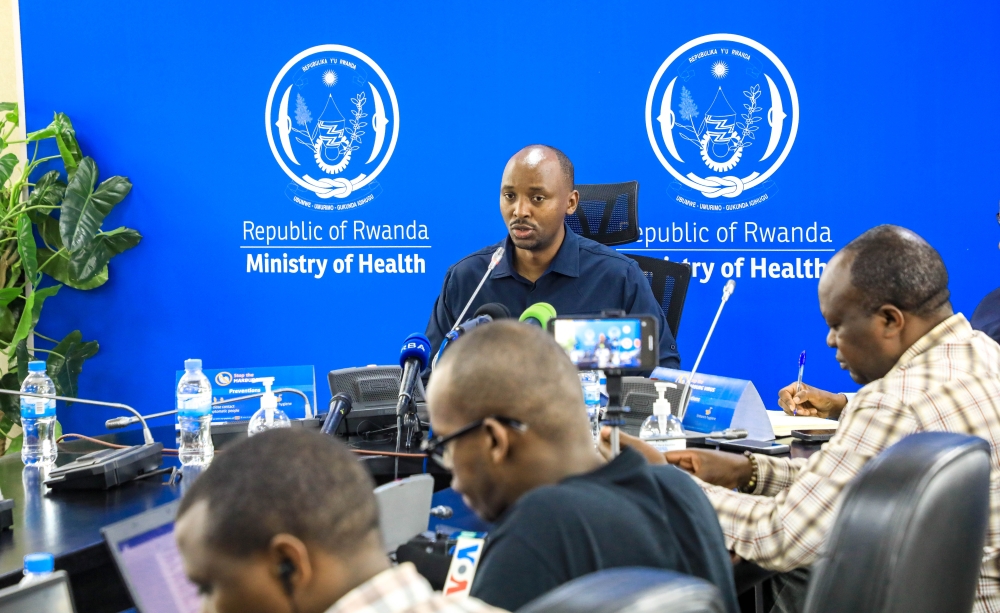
(630, 590)
(909, 532)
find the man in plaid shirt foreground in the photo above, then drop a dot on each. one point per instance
(286, 522)
(885, 299)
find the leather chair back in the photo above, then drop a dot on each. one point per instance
(630, 590)
(909, 532)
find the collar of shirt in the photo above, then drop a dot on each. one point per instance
(566, 262)
(395, 590)
(623, 467)
(954, 328)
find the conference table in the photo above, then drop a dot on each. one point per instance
(68, 524)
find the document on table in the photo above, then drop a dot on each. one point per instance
(783, 424)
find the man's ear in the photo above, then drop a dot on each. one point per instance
(498, 439)
(891, 320)
(290, 562)
(574, 201)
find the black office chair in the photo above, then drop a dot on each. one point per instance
(909, 532)
(669, 281)
(630, 590)
(608, 213)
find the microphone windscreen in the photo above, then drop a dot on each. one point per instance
(416, 346)
(540, 312)
(495, 310)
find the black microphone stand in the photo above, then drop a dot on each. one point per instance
(614, 415)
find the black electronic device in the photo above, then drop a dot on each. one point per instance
(813, 436)
(105, 469)
(627, 343)
(374, 393)
(145, 552)
(6, 513)
(749, 444)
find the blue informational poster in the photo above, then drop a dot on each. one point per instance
(230, 383)
(305, 173)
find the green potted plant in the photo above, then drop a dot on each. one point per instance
(50, 236)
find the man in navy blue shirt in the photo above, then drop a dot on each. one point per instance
(545, 261)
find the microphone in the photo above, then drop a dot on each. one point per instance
(538, 314)
(491, 311)
(497, 256)
(122, 422)
(147, 436)
(340, 407)
(413, 358)
(727, 291)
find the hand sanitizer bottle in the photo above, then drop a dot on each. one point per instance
(268, 416)
(662, 422)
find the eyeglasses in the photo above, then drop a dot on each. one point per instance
(439, 449)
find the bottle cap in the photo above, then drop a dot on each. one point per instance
(192, 364)
(36, 366)
(39, 563)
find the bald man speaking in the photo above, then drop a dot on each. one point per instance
(545, 261)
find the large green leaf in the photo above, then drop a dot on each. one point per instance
(57, 267)
(29, 316)
(8, 294)
(10, 405)
(48, 227)
(65, 363)
(92, 259)
(7, 164)
(8, 323)
(26, 246)
(69, 149)
(48, 191)
(84, 208)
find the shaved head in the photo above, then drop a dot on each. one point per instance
(510, 370)
(534, 155)
(515, 370)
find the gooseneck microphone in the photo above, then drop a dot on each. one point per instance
(538, 315)
(727, 291)
(497, 256)
(340, 407)
(413, 358)
(147, 436)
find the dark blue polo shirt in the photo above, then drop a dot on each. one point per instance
(584, 278)
(987, 315)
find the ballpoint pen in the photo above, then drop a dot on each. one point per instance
(798, 384)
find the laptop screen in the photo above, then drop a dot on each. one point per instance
(156, 573)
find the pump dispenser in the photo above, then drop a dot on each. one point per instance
(268, 416)
(663, 422)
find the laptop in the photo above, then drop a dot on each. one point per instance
(146, 554)
(50, 594)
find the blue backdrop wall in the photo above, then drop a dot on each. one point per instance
(894, 117)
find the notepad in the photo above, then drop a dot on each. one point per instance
(783, 424)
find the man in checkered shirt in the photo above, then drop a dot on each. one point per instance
(885, 299)
(286, 521)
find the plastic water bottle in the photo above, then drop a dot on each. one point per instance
(37, 566)
(592, 399)
(194, 416)
(38, 417)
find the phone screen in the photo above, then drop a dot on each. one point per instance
(816, 432)
(601, 343)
